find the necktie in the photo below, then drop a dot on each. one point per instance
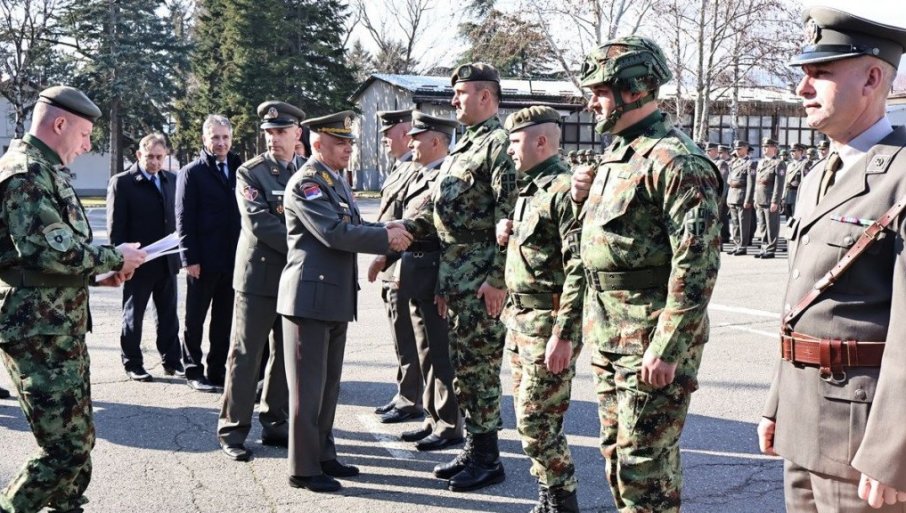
(155, 182)
(223, 169)
(834, 163)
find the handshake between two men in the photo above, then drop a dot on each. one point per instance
(398, 236)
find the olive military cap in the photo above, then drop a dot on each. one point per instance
(337, 125)
(473, 72)
(422, 122)
(767, 141)
(391, 118)
(531, 116)
(71, 100)
(711, 146)
(832, 34)
(723, 147)
(823, 145)
(798, 146)
(276, 114)
(738, 143)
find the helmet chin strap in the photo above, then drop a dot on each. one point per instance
(605, 126)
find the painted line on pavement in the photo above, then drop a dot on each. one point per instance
(745, 455)
(747, 311)
(388, 442)
(769, 334)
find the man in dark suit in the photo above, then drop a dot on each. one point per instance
(140, 209)
(834, 410)
(207, 218)
(317, 296)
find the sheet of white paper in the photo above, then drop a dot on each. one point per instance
(165, 246)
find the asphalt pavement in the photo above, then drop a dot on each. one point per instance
(157, 452)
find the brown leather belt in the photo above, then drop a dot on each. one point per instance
(830, 355)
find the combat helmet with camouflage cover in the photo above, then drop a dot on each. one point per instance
(632, 64)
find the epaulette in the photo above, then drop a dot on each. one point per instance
(15, 163)
(253, 162)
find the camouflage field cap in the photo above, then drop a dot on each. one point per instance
(832, 34)
(71, 100)
(422, 122)
(275, 114)
(531, 116)
(628, 63)
(391, 118)
(337, 125)
(475, 71)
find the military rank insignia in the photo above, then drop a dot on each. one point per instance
(326, 176)
(275, 171)
(280, 209)
(312, 192)
(249, 193)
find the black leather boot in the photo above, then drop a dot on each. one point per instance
(543, 500)
(451, 468)
(562, 501)
(484, 467)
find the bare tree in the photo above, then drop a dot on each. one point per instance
(25, 44)
(396, 31)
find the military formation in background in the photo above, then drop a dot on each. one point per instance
(497, 245)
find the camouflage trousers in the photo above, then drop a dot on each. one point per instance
(476, 351)
(640, 430)
(541, 399)
(51, 376)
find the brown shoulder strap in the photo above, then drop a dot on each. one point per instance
(868, 237)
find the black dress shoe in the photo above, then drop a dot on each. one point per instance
(766, 256)
(319, 483)
(236, 452)
(4, 393)
(396, 415)
(139, 374)
(201, 385)
(274, 439)
(415, 435)
(175, 369)
(380, 410)
(738, 252)
(334, 468)
(436, 443)
(217, 381)
(759, 255)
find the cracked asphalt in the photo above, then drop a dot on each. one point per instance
(156, 449)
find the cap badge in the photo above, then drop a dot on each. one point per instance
(812, 32)
(465, 71)
(347, 122)
(271, 113)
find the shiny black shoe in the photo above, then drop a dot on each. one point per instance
(201, 385)
(415, 435)
(767, 256)
(760, 255)
(436, 443)
(334, 468)
(236, 452)
(274, 439)
(319, 483)
(139, 374)
(739, 252)
(396, 415)
(380, 410)
(4, 394)
(175, 369)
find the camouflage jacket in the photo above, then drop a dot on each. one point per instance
(768, 181)
(542, 253)
(476, 188)
(650, 243)
(44, 232)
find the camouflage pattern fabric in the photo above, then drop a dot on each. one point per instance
(540, 256)
(652, 212)
(43, 230)
(640, 430)
(475, 189)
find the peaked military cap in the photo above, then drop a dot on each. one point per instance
(738, 143)
(823, 145)
(798, 146)
(71, 100)
(391, 118)
(474, 72)
(712, 146)
(723, 147)
(337, 125)
(767, 141)
(422, 122)
(276, 114)
(832, 34)
(531, 116)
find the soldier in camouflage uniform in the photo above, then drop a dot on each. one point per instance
(768, 190)
(476, 188)
(543, 339)
(46, 264)
(573, 159)
(739, 198)
(650, 252)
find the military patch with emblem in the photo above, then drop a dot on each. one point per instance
(58, 236)
(312, 192)
(696, 221)
(509, 182)
(249, 193)
(878, 163)
(275, 171)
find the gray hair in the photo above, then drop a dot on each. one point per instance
(216, 120)
(151, 140)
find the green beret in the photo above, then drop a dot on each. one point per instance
(474, 72)
(71, 100)
(767, 141)
(337, 125)
(391, 118)
(531, 116)
(832, 34)
(276, 114)
(422, 122)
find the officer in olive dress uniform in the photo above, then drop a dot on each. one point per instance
(739, 198)
(318, 296)
(47, 264)
(260, 258)
(795, 171)
(407, 402)
(823, 148)
(769, 178)
(835, 407)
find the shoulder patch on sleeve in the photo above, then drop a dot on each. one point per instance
(249, 193)
(311, 191)
(58, 236)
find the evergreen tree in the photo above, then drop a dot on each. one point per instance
(516, 47)
(361, 62)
